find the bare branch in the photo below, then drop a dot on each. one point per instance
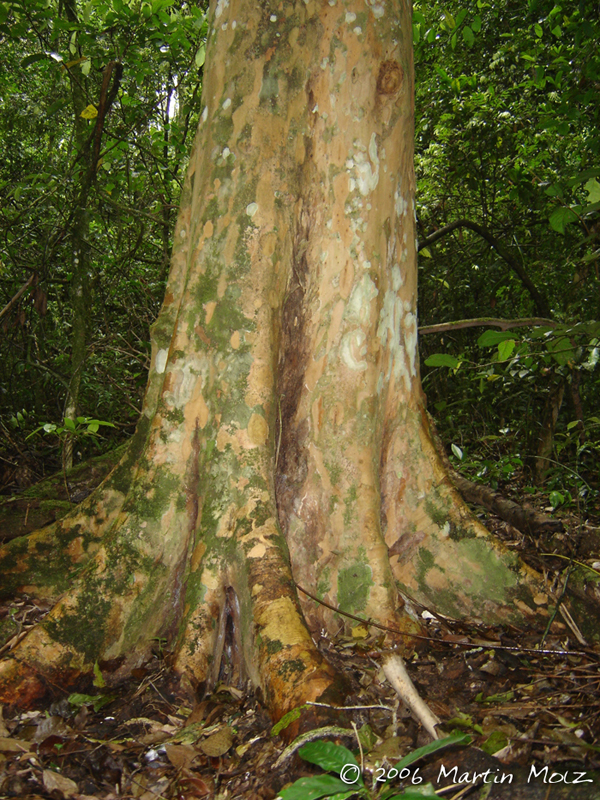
(16, 297)
(541, 303)
(481, 322)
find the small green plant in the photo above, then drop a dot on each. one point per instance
(350, 783)
(81, 428)
(97, 701)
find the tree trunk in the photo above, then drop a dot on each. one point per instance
(88, 155)
(283, 438)
(545, 448)
(80, 265)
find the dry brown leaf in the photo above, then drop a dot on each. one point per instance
(8, 745)
(157, 789)
(154, 738)
(194, 786)
(235, 693)
(198, 713)
(116, 747)
(51, 726)
(491, 724)
(181, 755)
(3, 728)
(53, 781)
(217, 744)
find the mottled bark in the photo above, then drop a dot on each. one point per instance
(283, 436)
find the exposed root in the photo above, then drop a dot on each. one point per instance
(44, 562)
(19, 684)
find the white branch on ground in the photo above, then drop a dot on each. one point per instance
(395, 672)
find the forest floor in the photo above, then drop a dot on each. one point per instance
(528, 699)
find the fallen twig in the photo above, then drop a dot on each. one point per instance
(395, 672)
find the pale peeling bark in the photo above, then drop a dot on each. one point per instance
(283, 433)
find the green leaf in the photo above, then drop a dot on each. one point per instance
(69, 424)
(330, 757)
(561, 350)
(560, 217)
(416, 793)
(201, 56)
(590, 209)
(556, 499)
(461, 16)
(314, 788)
(32, 59)
(55, 106)
(491, 338)
(97, 701)
(433, 747)
(367, 737)
(457, 451)
(495, 741)
(462, 720)
(346, 795)
(505, 349)
(449, 19)
(502, 697)
(468, 35)
(592, 187)
(442, 73)
(538, 30)
(476, 24)
(287, 719)
(442, 360)
(98, 679)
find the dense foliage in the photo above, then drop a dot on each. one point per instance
(508, 172)
(65, 63)
(507, 138)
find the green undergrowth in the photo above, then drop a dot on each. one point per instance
(350, 783)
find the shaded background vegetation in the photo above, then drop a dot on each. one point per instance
(98, 106)
(507, 137)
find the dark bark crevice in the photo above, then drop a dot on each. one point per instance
(295, 350)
